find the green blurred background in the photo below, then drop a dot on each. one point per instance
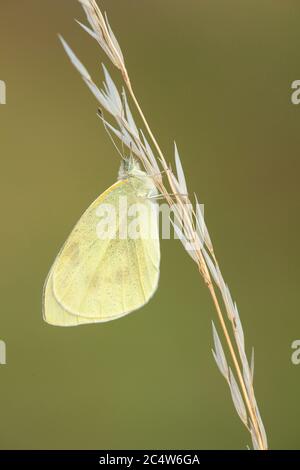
(216, 76)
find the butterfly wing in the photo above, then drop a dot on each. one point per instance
(54, 313)
(97, 280)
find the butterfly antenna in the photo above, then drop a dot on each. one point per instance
(123, 117)
(101, 116)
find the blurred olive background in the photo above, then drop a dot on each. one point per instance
(216, 76)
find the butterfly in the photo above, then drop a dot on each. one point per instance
(101, 275)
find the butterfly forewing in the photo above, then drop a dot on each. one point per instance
(97, 279)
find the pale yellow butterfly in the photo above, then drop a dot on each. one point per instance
(95, 279)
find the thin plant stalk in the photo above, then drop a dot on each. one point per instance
(189, 222)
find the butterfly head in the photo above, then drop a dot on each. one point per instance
(130, 167)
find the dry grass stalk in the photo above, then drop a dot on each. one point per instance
(190, 222)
